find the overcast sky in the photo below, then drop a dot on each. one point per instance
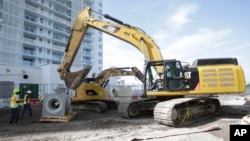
(184, 30)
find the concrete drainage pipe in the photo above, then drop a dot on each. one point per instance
(54, 105)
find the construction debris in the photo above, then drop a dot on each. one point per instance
(245, 120)
(235, 104)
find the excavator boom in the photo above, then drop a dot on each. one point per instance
(125, 32)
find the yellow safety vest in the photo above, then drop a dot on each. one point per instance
(40, 98)
(26, 99)
(13, 101)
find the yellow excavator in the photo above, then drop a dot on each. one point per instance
(177, 93)
(93, 94)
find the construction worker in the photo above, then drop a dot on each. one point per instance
(26, 103)
(41, 100)
(14, 106)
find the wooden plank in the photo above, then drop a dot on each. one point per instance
(65, 118)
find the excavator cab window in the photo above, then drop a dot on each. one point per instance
(152, 77)
(170, 78)
(174, 75)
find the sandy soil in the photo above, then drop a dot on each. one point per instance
(91, 126)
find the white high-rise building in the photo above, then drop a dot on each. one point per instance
(35, 33)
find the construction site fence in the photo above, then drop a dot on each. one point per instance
(40, 89)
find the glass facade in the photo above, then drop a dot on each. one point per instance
(35, 32)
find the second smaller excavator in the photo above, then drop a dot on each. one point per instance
(93, 94)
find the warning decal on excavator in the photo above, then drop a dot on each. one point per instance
(111, 28)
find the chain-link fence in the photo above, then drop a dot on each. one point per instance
(6, 89)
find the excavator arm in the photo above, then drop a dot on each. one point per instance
(125, 32)
(106, 74)
(74, 79)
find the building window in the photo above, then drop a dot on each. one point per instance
(87, 60)
(57, 37)
(100, 46)
(29, 28)
(28, 62)
(56, 56)
(59, 9)
(87, 44)
(87, 36)
(100, 61)
(100, 68)
(87, 52)
(30, 18)
(100, 4)
(100, 54)
(57, 27)
(28, 51)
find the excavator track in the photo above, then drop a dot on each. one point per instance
(128, 109)
(131, 109)
(94, 106)
(182, 111)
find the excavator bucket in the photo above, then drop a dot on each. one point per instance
(75, 79)
(138, 74)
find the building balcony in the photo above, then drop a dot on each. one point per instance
(29, 52)
(85, 63)
(27, 62)
(58, 48)
(88, 2)
(30, 41)
(54, 7)
(88, 47)
(57, 58)
(90, 55)
(46, 14)
(65, 4)
(88, 38)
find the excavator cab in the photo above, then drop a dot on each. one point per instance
(174, 75)
(171, 78)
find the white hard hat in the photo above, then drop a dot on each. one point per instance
(28, 92)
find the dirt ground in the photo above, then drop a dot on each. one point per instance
(92, 126)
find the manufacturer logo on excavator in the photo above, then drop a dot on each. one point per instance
(111, 28)
(187, 75)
